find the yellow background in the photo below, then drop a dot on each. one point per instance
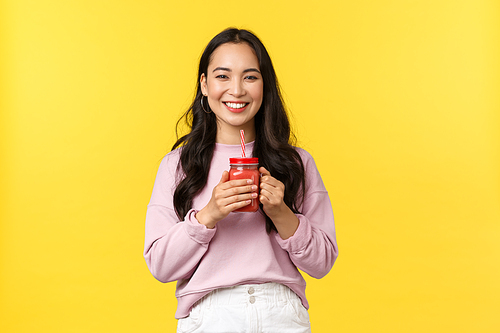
(398, 102)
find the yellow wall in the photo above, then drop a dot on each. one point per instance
(398, 101)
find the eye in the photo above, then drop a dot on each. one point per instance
(221, 76)
(251, 77)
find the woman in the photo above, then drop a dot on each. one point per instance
(238, 271)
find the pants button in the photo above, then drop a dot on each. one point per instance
(251, 290)
(252, 299)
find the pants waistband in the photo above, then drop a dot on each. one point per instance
(272, 293)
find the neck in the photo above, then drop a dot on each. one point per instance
(231, 136)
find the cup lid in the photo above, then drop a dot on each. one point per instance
(244, 160)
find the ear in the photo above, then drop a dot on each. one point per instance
(203, 84)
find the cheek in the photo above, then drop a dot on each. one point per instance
(258, 94)
(217, 89)
(214, 92)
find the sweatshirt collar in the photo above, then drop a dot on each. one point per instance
(234, 149)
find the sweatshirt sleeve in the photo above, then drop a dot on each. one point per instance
(172, 248)
(313, 247)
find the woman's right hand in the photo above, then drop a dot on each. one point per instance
(227, 196)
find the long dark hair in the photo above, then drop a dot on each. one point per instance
(274, 141)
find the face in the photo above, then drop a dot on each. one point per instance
(234, 87)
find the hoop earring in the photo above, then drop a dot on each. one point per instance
(202, 105)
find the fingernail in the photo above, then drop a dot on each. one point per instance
(254, 188)
(249, 181)
(254, 195)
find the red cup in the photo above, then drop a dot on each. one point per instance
(246, 168)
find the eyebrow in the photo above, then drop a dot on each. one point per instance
(229, 70)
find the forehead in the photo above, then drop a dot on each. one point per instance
(234, 56)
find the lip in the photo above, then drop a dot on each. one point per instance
(236, 110)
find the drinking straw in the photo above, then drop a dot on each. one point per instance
(242, 137)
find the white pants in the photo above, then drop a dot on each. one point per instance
(259, 308)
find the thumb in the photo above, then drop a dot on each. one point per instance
(224, 178)
(264, 171)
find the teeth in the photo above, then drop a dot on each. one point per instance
(236, 105)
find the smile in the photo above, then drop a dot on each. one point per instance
(236, 107)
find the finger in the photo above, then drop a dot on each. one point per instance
(232, 194)
(235, 199)
(224, 178)
(264, 171)
(235, 184)
(268, 191)
(237, 205)
(267, 194)
(267, 178)
(239, 198)
(245, 189)
(264, 199)
(276, 188)
(269, 185)
(238, 187)
(268, 203)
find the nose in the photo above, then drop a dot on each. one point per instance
(236, 89)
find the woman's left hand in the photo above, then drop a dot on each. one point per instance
(272, 192)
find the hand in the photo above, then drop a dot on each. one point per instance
(227, 196)
(272, 192)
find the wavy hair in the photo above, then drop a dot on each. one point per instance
(274, 141)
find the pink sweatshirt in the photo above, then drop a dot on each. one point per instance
(238, 250)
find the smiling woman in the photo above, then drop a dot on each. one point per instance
(239, 271)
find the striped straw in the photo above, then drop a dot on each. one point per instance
(242, 137)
